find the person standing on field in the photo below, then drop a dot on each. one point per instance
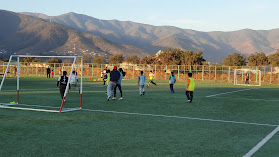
(52, 73)
(172, 81)
(74, 81)
(122, 74)
(151, 76)
(114, 77)
(141, 82)
(63, 80)
(247, 79)
(48, 72)
(190, 88)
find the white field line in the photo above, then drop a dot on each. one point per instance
(228, 92)
(246, 99)
(260, 144)
(178, 117)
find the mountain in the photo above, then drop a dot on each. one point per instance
(23, 34)
(215, 45)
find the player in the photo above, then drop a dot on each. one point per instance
(190, 88)
(48, 72)
(247, 79)
(172, 81)
(114, 77)
(141, 82)
(52, 73)
(74, 81)
(63, 80)
(108, 77)
(151, 76)
(122, 74)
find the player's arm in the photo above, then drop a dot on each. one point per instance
(188, 82)
(138, 81)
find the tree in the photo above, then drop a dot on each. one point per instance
(234, 59)
(274, 59)
(54, 60)
(28, 59)
(116, 59)
(148, 60)
(98, 59)
(257, 59)
(86, 59)
(133, 59)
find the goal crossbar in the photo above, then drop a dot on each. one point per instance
(65, 93)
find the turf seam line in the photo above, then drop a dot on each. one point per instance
(178, 117)
(262, 142)
(228, 92)
(245, 98)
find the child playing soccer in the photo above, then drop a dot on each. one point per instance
(74, 80)
(151, 76)
(141, 83)
(172, 81)
(63, 80)
(52, 73)
(190, 88)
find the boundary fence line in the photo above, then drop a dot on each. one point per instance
(270, 75)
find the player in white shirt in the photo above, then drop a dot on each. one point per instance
(141, 82)
(74, 80)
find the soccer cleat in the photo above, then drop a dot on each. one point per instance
(108, 98)
(140, 94)
(114, 98)
(64, 101)
(143, 93)
(189, 101)
(120, 98)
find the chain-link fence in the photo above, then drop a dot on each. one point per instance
(269, 75)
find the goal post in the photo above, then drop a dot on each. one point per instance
(247, 77)
(6, 105)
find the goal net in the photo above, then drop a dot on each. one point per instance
(29, 85)
(247, 77)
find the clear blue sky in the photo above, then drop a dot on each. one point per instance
(201, 15)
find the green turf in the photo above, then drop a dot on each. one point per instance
(150, 125)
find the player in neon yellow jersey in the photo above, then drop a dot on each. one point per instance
(151, 76)
(190, 88)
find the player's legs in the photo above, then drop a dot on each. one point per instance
(110, 88)
(120, 89)
(62, 90)
(191, 96)
(187, 94)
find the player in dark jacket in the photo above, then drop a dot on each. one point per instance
(114, 77)
(63, 80)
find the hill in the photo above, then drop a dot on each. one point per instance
(215, 45)
(23, 34)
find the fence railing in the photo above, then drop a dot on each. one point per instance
(270, 75)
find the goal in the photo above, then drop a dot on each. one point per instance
(247, 77)
(56, 108)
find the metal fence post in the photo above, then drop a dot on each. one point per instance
(271, 75)
(155, 71)
(178, 72)
(133, 70)
(229, 73)
(202, 71)
(215, 73)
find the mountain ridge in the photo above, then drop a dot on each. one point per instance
(215, 45)
(23, 34)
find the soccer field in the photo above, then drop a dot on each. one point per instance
(222, 121)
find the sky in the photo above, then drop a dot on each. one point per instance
(200, 15)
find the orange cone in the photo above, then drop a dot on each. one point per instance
(90, 78)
